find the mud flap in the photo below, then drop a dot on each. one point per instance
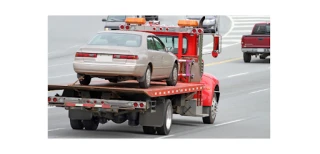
(80, 115)
(154, 119)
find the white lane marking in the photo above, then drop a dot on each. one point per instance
(230, 76)
(244, 26)
(52, 52)
(55, 129)
(59, 64)
(258, 91)
(250, 16)
(61, 76)
(245, 23)
(164, 136)
(230, 122)
(242, 31)
(237, 36)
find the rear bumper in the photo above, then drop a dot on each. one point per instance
(109, 69)
(256, 50)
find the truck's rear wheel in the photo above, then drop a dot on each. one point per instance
(76, 124)
(167, 120)
(149, 130)
(246, 57)
(212, 113)
(86, 79)
(146, 79)
(91, 124)
(173, 79)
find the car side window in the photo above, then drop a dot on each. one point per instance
(150, 43)
(159, 45)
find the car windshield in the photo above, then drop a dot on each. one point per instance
(261, 29)
(117, 39)
(172, 41)
(116, 18)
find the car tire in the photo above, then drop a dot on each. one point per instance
(113, 80)
(86, 80)
(76, 124)
(149, 130)
(91, 124)
(167, 119)
(246, 57)
(146, 79)
(212, 112)
(173, 79)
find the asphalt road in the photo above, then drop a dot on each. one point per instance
(244, 107)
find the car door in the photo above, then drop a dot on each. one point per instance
(154, 57)
(167, 59)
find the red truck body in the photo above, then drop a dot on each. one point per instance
(258, 43)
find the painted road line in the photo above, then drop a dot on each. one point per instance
(259, 91)
(230, 122)
(230, 76)
(224, 61)
(50, 130)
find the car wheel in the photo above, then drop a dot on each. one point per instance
(173, 79)
(262, 57)
(86, 79)
(167, 120)
(246, 57)
(113, 80)
(146, 79)
(76, 124)
(91, 124)
(212, 112)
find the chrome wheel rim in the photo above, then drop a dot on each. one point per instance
(214, 108)
(169, 117)
(148, 77)
(175, 74)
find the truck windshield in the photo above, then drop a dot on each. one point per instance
(116, 18)
(172, 41)
(116, 39)
(261, 29)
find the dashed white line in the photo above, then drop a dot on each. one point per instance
(259, 91)
(230, 76)
(64, 49)
(61, 76)
(252, 19)
(55, 129)
(230, 122)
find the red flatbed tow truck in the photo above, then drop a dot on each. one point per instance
(196, 94)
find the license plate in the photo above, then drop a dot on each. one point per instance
(260, 50)
(104, 58)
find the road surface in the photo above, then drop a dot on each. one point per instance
(244, 107)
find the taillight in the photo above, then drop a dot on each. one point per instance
(194, 30)
(200, 31)
(141, 105)
(127, 27)
(55, 99)
(125, 57)
(135, 104)
(49, 99)
(121, 26)
(89, 55)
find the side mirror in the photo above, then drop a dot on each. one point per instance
(169, 49)
(104, 20)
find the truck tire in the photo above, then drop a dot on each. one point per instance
(246, 57)
(149, 130)
(146, 79)
(167, 120)
(173, 79)
(91, 124)
(76, 124)
(212, 112)
(86, 80)
(262, 57)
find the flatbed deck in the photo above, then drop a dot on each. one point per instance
(156, 89)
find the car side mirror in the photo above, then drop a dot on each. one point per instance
(168, 49)
(104, 20)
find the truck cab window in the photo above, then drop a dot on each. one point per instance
(172, 41)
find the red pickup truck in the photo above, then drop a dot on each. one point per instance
(258, 43)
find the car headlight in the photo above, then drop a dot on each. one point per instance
(106, 29)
